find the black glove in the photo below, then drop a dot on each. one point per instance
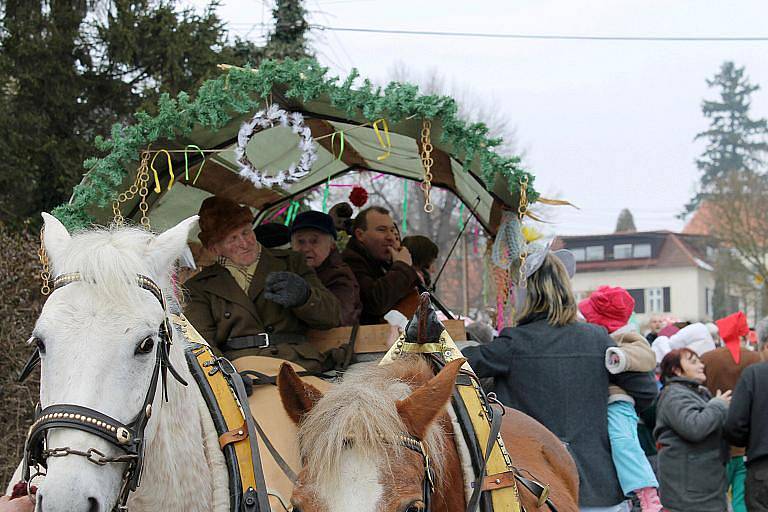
(287, 289)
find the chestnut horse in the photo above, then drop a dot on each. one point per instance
(354, 460)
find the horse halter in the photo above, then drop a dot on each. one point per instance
(128, 437)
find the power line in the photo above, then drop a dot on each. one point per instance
(556, 37)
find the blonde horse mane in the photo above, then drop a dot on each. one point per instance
(362, 410)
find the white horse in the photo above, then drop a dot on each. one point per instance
(88, 335)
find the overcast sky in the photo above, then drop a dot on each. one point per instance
(604, 124)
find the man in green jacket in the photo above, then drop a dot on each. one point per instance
(254, 301)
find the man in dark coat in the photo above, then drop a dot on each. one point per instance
(253, 301)
(747, 424)
(723, 367)
(313, 235)
(385, 274)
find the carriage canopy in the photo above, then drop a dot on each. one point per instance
(354, 125)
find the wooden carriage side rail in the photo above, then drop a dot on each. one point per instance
(372, 338)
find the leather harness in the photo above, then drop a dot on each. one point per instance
(127, 438)
(247, 491)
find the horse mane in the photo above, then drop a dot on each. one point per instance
(361, 410)
(111, 258)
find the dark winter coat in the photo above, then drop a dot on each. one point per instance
(219, 309)
(747, 423)
(557, 375)
(692, 451)
(338, 278)
(382, 286)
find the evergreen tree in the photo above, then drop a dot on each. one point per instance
(70, 69)
(291, 26)
(626, 222)
(735, 142)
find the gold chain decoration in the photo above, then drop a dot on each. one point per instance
(139, 186)
(45, 273)
(427, 161)
(522, 210)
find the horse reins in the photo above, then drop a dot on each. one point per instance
(128, 438)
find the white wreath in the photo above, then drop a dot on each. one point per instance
(269, 118)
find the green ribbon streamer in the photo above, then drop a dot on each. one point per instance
(325, 194)
(291, 214)
(405, 207)
(461, 216)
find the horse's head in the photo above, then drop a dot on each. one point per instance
(364, 444)
(99, 340)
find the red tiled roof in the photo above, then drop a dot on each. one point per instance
(701, 222)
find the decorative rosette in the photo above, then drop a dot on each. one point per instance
(269, 118)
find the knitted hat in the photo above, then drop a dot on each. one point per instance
(218, 217)
(273, 234)
(731, 329)
(609, 307)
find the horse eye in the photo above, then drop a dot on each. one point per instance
(146, 345)
(38, 343)
(416, 506)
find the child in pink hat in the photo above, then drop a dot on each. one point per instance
(611, 308)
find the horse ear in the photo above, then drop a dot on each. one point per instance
(56, 238)
(168, 246)
(298, 397)
(422, 407)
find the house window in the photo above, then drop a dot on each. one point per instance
(639, 295)
(579, 254)
(709, 296)
(595, 253)
(641, 251)
(622, 251)
(655, 298)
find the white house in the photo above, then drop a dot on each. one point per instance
(666, 273)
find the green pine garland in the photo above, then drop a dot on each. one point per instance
(240, 91)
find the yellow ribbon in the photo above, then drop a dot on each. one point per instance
(386, 146)
(556, 202)
(341, 144)
(186, 162)
(158, 189)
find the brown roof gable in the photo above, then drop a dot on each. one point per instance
(677, 250)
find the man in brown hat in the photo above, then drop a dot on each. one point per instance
(253, 301)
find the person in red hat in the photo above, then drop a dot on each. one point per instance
(611, 308)
(723, 367)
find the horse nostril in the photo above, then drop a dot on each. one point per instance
(93, 505)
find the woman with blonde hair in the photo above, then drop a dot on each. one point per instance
(552, 367)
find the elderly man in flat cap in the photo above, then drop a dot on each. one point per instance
(254, 301)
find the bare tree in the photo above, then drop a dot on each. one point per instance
(737, 210)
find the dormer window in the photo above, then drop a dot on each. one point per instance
(595, 253)
(641, 251)
(622, 251)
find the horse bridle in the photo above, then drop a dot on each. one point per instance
(127, 437)
(428, 483)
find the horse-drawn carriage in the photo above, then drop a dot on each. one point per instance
(383, 440)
